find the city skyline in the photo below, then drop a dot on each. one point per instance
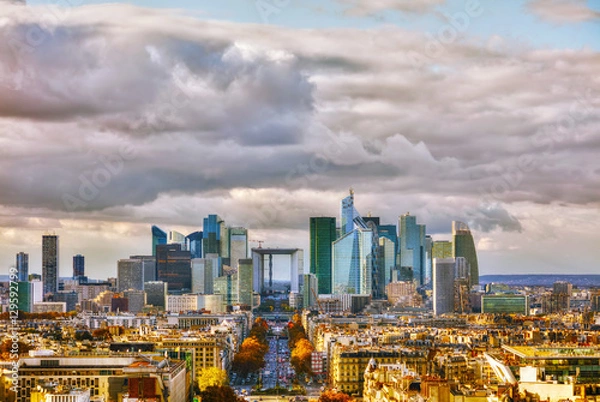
(268, 119)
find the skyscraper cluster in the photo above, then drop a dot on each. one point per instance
(363, 256)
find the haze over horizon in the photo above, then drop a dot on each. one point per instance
(118, 116)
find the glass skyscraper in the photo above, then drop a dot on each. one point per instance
(413, 247)
(158, 237)
(50, 264)
(211, 238)
(23, 266)
(351, 219)
(194, 244)
(238, 245)
(464, 246)
(352, 263)
(322, 236)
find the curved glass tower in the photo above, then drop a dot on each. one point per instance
(158, 237)
(464, 246)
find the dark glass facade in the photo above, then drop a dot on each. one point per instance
(78, 266)
(211, 238)
(23, 266)
(50, 264)
(464, 246)
(174, 266)
(322, 236)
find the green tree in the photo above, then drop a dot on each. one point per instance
(212, 377)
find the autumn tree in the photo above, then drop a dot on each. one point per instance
(301, 356)
(333, 396)
(101, 333)
(212, 377)
(220, 393)
(6, 349)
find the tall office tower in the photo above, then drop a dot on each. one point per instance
(322, 236)
(194, 244)
(211, 238)
(174, 266)
(23, 266)
(50, 264)
(156, 292)
(25, 300)
(349, 214)
(464, 246)
(78, 266)
(224, 246)
(352, 260)
(462, 272)
(442, 249)
(177, 238)
(148, 266)
(238, 245)
(412, 247)
(158, 237)
(203, 275)
(428, 260)
(310, 290)
(226, 285)
(245, 289)
(443, 285)
(130, 275)
(387, 260)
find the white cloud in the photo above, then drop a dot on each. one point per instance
(563, 11)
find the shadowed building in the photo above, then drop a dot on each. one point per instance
(174, 266)
(50, 264)
(464, 246)
(78, 266)
(322, 236)
(23, 266)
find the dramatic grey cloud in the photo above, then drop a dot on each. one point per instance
(114, 117)
(563, 11)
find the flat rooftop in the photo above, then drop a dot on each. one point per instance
(554, 352)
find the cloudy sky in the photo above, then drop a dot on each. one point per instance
(117, 116)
